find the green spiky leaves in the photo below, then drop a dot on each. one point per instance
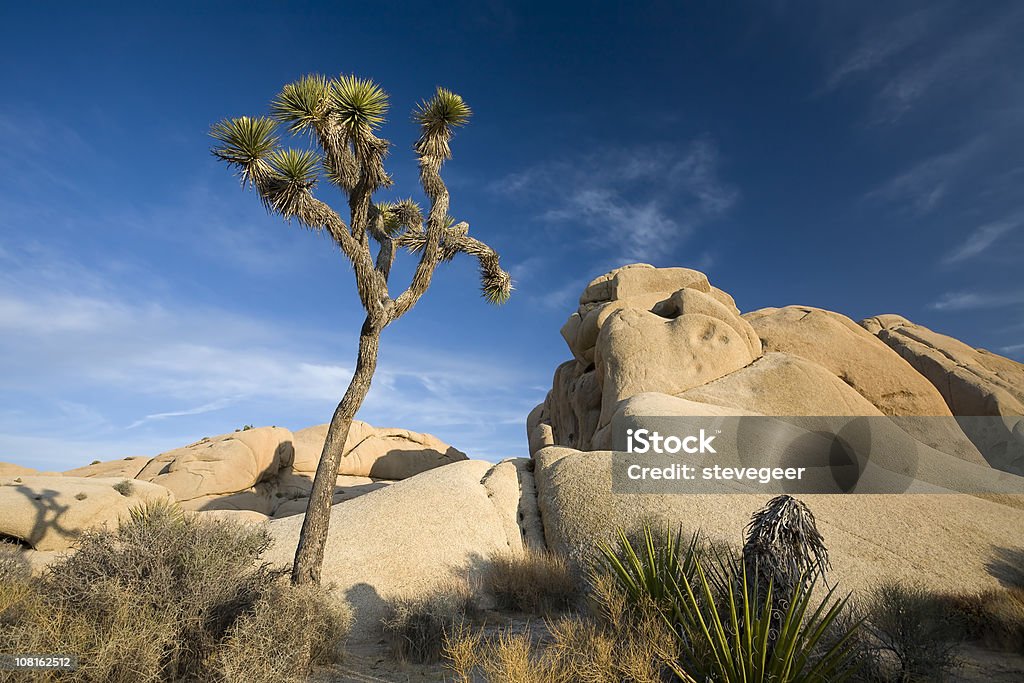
(445, 110)
(437, 117)
(495, 285)
(245, 143)
(298, 167)
(359, 103)
(302, 104)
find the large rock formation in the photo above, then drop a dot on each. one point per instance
(269, 470)
(421, 532)
(945, 540)
(380, 453)
(649, 342)
(641, 329)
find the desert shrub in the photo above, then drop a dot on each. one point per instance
(416, 626)
(125, 487)
(169, 597)
(916, 628)
(288, 629)
(534, 582)
(993, 617)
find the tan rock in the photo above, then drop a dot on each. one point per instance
(128, 468)
(538, 428)
(259, 499)
(870, 537)
(850, 352)
(10, 469)
(226, 464)
(238, 516)
(381, 453)
(692, 301)
(871, 368)
(783, 384)
(725, 299)
(347, 488)
(49, 513)
(971, 381)
(411, 536)
(639, 351)
(511, 487)
(641, 278)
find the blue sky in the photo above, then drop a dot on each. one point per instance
(861, 157)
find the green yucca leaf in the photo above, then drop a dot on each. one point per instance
(295, 166)
(359, 103)
(244, 142)
(303, 103)
(444, 110)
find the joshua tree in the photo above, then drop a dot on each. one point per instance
(341, 117)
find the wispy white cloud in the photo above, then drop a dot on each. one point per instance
(156, 369)
(631, 204)
(981, 238)
(879, 45)
(925, 55)
(198, 410)
(925, 184)
(965, 301)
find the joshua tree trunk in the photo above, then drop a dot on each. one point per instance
(310, 554)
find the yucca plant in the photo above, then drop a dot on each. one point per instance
(733, 636)
(726, 620)
(653, 567)
(341, 117)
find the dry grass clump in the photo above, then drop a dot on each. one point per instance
(171, 597)
(619, 642)
(532, 582)
(416, 627)
(994, 617)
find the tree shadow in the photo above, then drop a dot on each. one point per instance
(47, 513)
(1007, 566)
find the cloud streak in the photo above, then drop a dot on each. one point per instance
(981, 239)
(927, 55)
(632, 204)
(968, 301)
(923, 186)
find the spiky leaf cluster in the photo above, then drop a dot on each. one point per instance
(304, 104)
(245, 143)
(360, 104)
